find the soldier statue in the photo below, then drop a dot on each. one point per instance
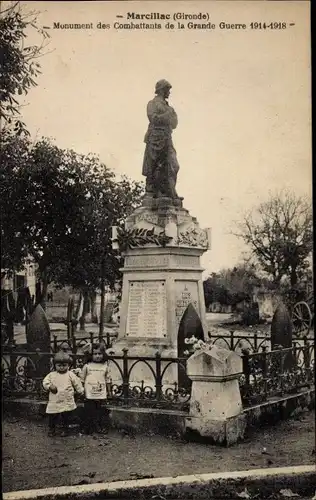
(160, 165)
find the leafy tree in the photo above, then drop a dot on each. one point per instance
(19, 69)
(89, 263)
(19, 61)
(240, 280)
(279, 234)
(14, 159)
(88, 255)
(214, 290)
(58, 208)
(232, 285)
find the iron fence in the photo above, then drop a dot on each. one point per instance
(234, 341)
(252, 343)
(165, 384)
(162, 382)
(73, 343)
(270, 374)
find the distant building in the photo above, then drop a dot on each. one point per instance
(21, 279)
(267, 301)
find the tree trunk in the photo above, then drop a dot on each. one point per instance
(276, 281)
(293, 277)
(82, 323)
(85, 310)
(41, 290)
(93, 307)
(101, 325)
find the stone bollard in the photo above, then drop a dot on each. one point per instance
(215, 405)
(281, 328)
(281, 337)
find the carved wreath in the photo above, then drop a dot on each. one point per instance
(193, 238)
(134, 238)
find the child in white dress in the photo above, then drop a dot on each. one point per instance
(95, 377)
(62, 385)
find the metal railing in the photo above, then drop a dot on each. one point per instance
(74, 343)
(234, 341)
(166, 384)
(252, 343)
(162, 382)
(273, 374)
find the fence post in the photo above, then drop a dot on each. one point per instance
(37, 373)
(265, 371)
(176, 391)
(158, 377)
(10, 331)
(125, 377)
(74, 351)
(108, 339)
(307, 354)
(26, 319)
(91, 343)
(12, 368)
(73, 328)
(68, 320)
(232, 340)
(246, 372)
(283, 354)
(255, 342)
(55, 347)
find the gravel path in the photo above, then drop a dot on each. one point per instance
(33, 460)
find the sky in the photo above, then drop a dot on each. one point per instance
(243, 100)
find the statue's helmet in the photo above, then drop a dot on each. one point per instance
(162, 84)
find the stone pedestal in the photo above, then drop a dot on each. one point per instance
(215, 404)
(161, 277)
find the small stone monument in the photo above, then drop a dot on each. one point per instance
(162, 245)
(215, 404)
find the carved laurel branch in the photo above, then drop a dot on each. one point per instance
(134, 238)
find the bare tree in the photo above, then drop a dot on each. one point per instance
(279, 235)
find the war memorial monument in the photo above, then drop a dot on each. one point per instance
(162, 277)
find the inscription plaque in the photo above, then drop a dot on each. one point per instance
(147, 309)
